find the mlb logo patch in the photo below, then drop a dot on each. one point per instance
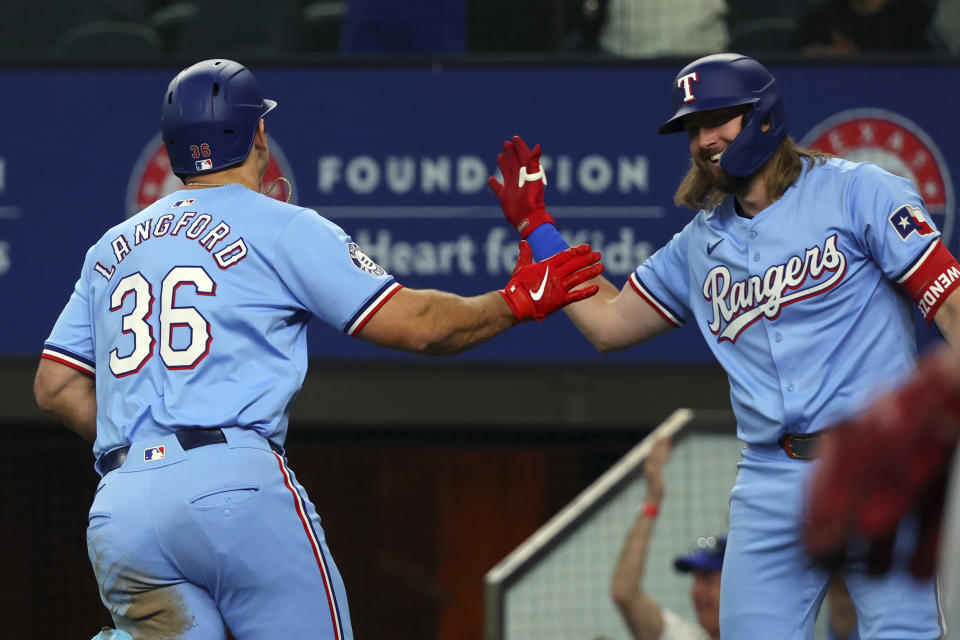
(151, 454)
(182, 203)
(907, 220)
(203, 165)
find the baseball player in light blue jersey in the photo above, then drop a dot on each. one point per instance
(179, 355)
(798, 270)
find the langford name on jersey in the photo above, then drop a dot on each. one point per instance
(194, 227)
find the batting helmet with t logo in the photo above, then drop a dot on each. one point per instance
(210, 115)
(729, 80)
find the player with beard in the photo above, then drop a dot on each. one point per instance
(799, 270)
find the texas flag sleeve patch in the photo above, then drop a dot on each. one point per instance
(908, 220)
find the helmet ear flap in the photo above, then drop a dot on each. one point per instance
(756, 143)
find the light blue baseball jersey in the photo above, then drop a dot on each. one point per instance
(801, 303)
(805, 307)
(193, 313)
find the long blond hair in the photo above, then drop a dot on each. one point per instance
(781, 170)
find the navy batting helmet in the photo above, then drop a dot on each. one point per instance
(210, 115)
(729, 80)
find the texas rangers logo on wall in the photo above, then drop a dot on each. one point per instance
(899, 146)
(152, 178)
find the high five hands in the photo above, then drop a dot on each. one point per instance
(537, 289)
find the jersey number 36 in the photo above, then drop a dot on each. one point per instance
(171, 316)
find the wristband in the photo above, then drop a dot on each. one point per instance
(650, 510)
(546, 241)
(932, 280)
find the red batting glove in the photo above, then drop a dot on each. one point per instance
(891, 460)
(537, 289)
(521, 194)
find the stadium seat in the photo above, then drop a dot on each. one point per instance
(120, 10)
(763, 26)
(170, 20)
(763, 35)
(321, 23)
(244, 29)
(32, 29)
(103, 41)
(497, 26)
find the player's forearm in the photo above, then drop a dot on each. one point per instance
(613, 320)
(594, 316)
(447, 324)
(947, 320)
(79, 418)
(74, 404)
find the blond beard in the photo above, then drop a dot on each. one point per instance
(725, 182)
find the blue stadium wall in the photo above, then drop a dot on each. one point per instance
(400, 157)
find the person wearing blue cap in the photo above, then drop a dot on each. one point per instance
(707, 555)
(646, 619)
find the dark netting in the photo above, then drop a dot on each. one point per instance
(171, 31)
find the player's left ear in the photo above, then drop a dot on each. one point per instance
(260, 137)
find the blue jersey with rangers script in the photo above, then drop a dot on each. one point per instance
(193, 313)
(803, 304)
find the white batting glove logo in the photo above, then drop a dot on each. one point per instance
(532, 177)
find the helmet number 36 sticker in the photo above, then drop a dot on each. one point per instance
(200, 151)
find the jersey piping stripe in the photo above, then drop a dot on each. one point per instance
(658, 306)
(916, 265)
(941, 615)
(70, 359)
(367, 312)
(317, 551)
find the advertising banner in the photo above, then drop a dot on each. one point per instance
(400, 158)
